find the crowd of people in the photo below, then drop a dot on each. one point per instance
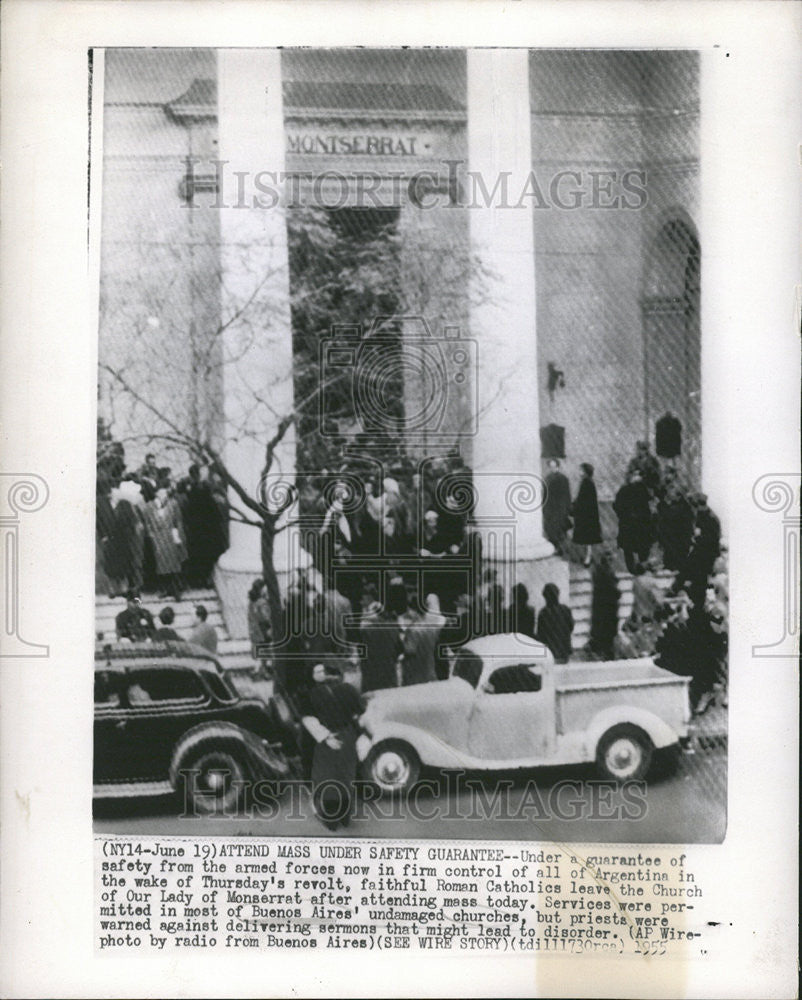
(393, 640)
(407, 636)
(683, 625)
(156, 534)
(355, 513)
(650, 506)
(401, 622)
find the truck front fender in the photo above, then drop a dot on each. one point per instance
(431, 751)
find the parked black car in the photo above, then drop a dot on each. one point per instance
(168, 719)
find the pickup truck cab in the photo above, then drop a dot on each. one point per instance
(507, 705)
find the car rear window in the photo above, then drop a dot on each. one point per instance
(144, 686)
(511, 680)
(220, 687)
(468, 666)
(106, 688)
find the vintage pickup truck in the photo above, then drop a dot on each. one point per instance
(507, 705)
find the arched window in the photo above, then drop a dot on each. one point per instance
(672, 341)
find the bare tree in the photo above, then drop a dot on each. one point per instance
(344, 271)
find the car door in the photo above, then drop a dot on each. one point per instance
(163, 703)
(512, 718)
(111, 719)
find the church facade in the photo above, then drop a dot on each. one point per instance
(544, 266)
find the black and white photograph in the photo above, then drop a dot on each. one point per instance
(404, 526)
(399, 498)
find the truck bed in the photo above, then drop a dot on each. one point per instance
(571, 676)
(585, 689)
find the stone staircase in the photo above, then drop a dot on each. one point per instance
(581, 594)
(234, 654)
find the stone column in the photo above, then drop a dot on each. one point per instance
(257, 344)
(506, 449)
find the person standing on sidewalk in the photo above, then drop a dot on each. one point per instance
(259, 622)
(329, 714)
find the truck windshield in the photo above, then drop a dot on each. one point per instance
(468, 666)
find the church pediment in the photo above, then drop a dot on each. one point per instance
(313, 100)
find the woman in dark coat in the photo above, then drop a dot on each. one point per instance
(204, 531)
(555, 623)
(634, 513)
(604, 609)
(587, 527)
(329, 716)
(125, 549)
(260, 630)
(556, 506)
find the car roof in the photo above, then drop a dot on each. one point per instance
(155, 655)
(508, 646)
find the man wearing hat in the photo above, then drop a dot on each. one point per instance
(647, 466)
(135, 623)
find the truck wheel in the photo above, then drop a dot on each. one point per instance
(213, 781)
(624, 753)
(393, 765)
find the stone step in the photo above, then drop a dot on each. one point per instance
(192, 597)
(233, 647)
(626, 586)
(234, 654)
(236, 661)
(186, 601)
(581, 599)
(580, 604)
(582, 577)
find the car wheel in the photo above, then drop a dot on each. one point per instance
(214, 781)
(393, 765)
(624, 753)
